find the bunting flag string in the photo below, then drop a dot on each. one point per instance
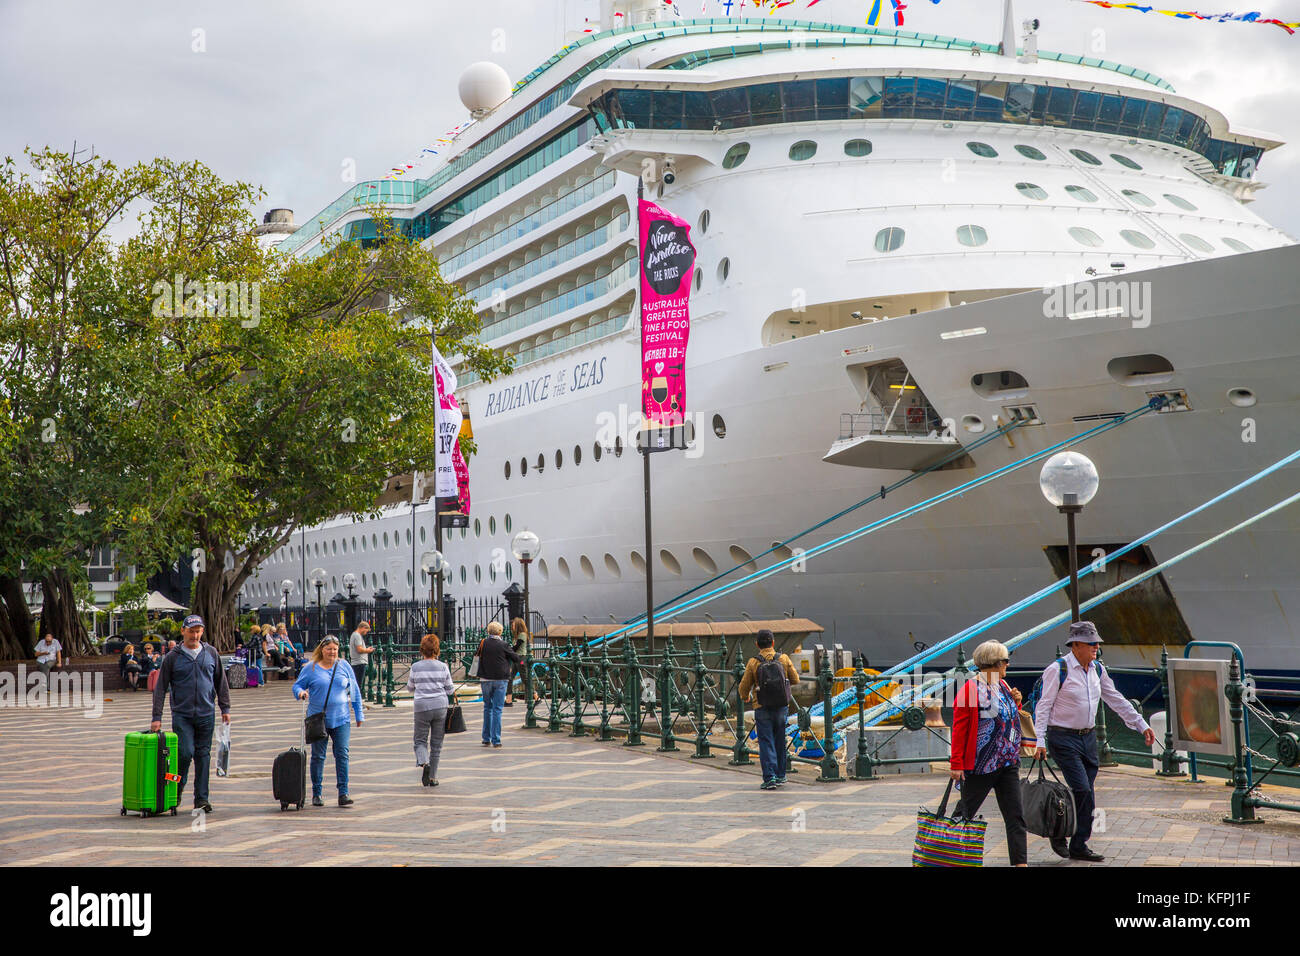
(1254, 17)
(432, 149)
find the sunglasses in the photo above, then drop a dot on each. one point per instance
(329, 640)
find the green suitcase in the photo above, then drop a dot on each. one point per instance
(150, 780)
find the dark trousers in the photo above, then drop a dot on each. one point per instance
(1076, 755)
(1005, 783)
(769, 725)
(359, 671)
(194, 741)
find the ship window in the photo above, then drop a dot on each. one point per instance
(559, 458)
(1000, 386)
(1137, 239)
(703, 560)
(1148, 369)
(563, 567)
(595, 451)
(1180, 202)
(704, 222)
(410, 582)
(385, 540)
(1083, 156)
(720, 427)
(638, 562)
(1081, 193)
(509, 575)
(509, 523)
(541, 462)
(464, 575)
(972, 235)
(345, 549)
(670, 562)
(543, 570)
(804, 149)
(858, 147)
(611, 566)
(1196, 242)
(1236, 245)
(699, 278)
(982, 149)
(1030, 152)
(492, 524)
(363, 543)
(588, 569)
(724, 269)
(478, 574)
(577, 454)
(1085, 237)
(523, 467)
(889, 239)
(507, 471)
(743, 558)
(422, 534)
(735, 156)
(408, 541)
(1032, 191)
(618, 446)
(478, 527)
(492, 572)
(1139, 198)
(1125, 161)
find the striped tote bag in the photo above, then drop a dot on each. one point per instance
(942, 840)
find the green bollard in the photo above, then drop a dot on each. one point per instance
(553, 723)
(667, 742)
(830, 768)
(530, 709)
(1169, 766)
(701, 737)
(632, 695)
(1243, 801)
(388, 700)
(863, 769)
(579, 728)
(739, 753)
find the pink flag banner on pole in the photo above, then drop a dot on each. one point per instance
(667, 269)
(451, 474)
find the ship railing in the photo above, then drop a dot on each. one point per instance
(919, 420)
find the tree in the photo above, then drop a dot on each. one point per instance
(130, 599)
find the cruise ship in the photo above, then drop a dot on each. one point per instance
(904, 242)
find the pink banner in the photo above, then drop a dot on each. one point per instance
(451, 476)
(667, 268)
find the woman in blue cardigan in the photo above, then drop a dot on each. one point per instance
(330, 686)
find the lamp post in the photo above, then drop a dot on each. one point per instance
(527, 547)
(318, 578)
(434, 564)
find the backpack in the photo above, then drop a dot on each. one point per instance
(771, 685)
(1031, 705)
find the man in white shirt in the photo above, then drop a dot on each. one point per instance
(49, 653)
(1066, 716)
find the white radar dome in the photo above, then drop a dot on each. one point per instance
(483, 87)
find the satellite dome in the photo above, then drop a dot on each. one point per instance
(483, 87)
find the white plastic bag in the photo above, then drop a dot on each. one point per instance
(223, 749)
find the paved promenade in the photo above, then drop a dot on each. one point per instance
(542, 799)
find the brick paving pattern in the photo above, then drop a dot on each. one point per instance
(543, 798)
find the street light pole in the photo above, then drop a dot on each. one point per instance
(1071, 508)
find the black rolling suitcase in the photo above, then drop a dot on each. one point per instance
(289, 775)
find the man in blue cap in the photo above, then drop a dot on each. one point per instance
(1073, 686)
(196, 678)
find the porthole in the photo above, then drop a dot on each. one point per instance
(612, 566)
(982, 149)
(385, 540)
(1030, 152)
(704, 222)
(559, 459)
(1137, 240)
(1196, 242)
(699, 278)
(719, 426)
(478, 527)
(509, 573)
(492, 524)
(523, 467)
(670, 561)
(972, 423)
(1242, 397)
(999, 386)
(1084, 237)
(363, 543)
(410, 582)
(804, 149)
(703, 560)
(345, 547)
(492, 572)
(464, 574)
(595, 451)
(857, 147)
(385, 579)
(542, 570)
(334, 546)
(638, 562)
(577, 455)
(742, 557)
(1032, 191)
(374, 542)
(972, 235)
(1180, 202)
(563, 567)
(781, 552)
(1236, 245)
(541, 462)
(408, 539)
(724, 269)
(618, 446)
(478, 574)
(1083, 156)
(1139, 198)
(1125, 161)
(507, 471)
(508, 523)
(889, 238)
(1135, 370)
(1081, 193)
(588, 569)
(422, 535)
(735, 156)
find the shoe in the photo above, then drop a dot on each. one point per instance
(496, 746)
(345, 800)
(317, 802)
(780, 780)
(487, 743)
(205, 807)
(433, 783)
(1061, 848)
(509, 703)
(768, 785)
(424, 779)
(1086, 854)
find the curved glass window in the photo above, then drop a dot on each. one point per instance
(1083, 156)
(982, 149)
(1030, 152)
(972, 235)
(1125, 161)
(857, 147)
(1137, 239)
(704, 222)
(549, 260)
(804, 149)
(1085, 237)
(1140, 199)
(1180, 202)
(724, 269)
(563, 301)
(1236, 245)
(735, 156)
(889, 239)
(1196, 242)
(1081, 193)
(1032, 191)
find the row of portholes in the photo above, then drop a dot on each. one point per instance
(336, 546)
(506, 522)
(366, 580)
(597, 450)
(806, 149)
(891, 238)
(491, 573)
(1083, 194)
(561, 568)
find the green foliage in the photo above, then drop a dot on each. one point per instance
(132, 594)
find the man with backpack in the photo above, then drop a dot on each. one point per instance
(1066, 715)
(769, 677)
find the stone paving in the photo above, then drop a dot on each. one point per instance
(543, 798)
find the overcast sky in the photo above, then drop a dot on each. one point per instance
(284, 93)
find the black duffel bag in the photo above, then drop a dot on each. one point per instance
(1048, 805)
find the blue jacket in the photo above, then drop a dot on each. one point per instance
(316, 681)
(195, 684)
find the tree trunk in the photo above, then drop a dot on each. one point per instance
(214, 601)
(16, 633)
(59, 616)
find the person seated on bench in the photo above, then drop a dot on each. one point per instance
(288, 653)
(128, 665)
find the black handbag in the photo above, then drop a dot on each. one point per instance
(1048, 805)
(314, 725)
(455, 722)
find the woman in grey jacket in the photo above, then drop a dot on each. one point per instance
(430, 680)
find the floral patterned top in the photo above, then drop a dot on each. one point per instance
(998, 735)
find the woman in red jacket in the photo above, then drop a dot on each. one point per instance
(986, 745)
